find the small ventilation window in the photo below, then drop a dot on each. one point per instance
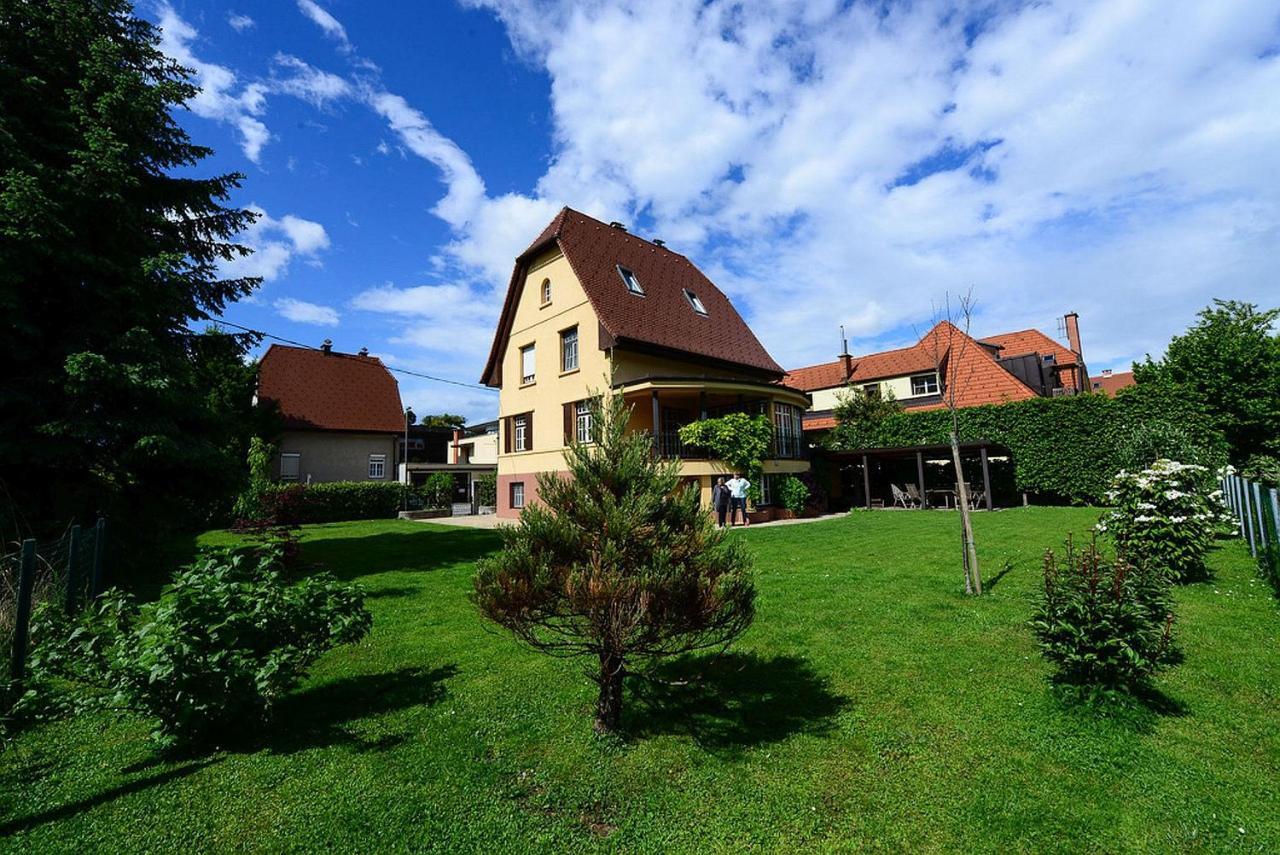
(695, 302)
(630, 280)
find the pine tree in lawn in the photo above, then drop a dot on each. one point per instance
(617, 563)
(109, 250)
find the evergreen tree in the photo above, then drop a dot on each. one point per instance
(109, 249)
(615, 562)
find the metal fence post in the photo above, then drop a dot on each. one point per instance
(99, 556)
(73, 558)
(22, 620)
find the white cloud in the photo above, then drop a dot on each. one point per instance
(217, 99)
(294, 77)
(240, 23)
(325, 22)
(302, 312)
(452, 320)
(275, 243)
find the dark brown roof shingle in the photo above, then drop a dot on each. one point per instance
(330, 391)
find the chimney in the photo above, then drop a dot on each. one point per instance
(617, 225)
(327, 347)
(364, 351)
(1073, 334)
(845, 355)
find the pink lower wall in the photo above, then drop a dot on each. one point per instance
(530, 480)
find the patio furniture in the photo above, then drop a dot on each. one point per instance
(901, 497)
(943, 498)
(913, 493)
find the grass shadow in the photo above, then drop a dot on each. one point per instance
(733, 701)
(989, 585)
(1139, 709)
(319, 716)
(422, 551)
(75, 808)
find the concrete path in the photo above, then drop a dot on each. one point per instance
(492, 521)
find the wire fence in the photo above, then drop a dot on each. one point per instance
(1257, 509)
(67, 571)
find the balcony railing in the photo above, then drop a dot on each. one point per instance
(788, 447)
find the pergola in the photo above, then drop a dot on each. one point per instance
(982, 449)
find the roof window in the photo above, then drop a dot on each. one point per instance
(630, 280)
(695, 302)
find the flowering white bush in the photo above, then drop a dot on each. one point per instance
(1165, 517)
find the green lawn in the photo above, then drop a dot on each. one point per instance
(870, 706)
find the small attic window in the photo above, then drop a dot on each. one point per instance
(695, 302)
(546, 291)
(629, 279)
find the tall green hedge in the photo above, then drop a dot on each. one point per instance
(1067, 448)
(336, 501)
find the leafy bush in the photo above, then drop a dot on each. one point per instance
(332, 501)
(1103, 626)
(1070, 448)
(740, 440)
(487, 489)
(791, 493)
(436, 491)
(249, 503)
(1165, 517)
(210, 657)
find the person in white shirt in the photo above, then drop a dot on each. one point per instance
(738, 487)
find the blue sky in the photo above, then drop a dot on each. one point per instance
(826, 162)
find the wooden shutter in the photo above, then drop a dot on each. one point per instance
(570, 420)
(528, 431)
(506, 434)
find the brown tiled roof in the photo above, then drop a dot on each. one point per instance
(661, 319)
(333, 391)
(1023, 342)
(1113, 382)
(873, 366)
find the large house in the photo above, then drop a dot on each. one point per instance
(340, 412)
(1010, 366)
(591, 305)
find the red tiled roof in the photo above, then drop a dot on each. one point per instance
(333, 391)
(1032, 341)
(966, 366)
(1114, 382)
(662, 318)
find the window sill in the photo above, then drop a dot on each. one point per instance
(524, 384)
(544, 305)
(570, 371)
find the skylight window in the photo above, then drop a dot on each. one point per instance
(695, 302)
(630, 280)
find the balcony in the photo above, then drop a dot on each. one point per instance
(669, 445)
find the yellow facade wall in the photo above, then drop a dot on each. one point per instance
(827, 399)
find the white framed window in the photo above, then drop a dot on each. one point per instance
(924, 384)
(377, 466)
(290, 464)
(528, 364)
(582, 421)
(521, 432)
(546, 291)
(1049, 358)
(871, 390)
(766, 490)
(695, 302)
(630, 280)
(517, 494)
(568, 350)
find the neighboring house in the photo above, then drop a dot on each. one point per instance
(340, 412)
(1007, 367)
(1111, 382)
(427, 444)
(587, 298)
(476, 444)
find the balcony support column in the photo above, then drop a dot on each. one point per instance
(657, 417)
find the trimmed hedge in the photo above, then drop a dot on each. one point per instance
(334, 501)
(1067, 448)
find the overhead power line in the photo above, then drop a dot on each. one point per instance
(404, 371)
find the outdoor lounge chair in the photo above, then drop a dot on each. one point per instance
(913, 494)
(901, 497)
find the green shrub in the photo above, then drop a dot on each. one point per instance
(1165, 517)
(791, 493)
(1067, 448)
(210, 657)
(332, 501)
(487, 489)
(1104, 626)
(740, 440)
(436, 491)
